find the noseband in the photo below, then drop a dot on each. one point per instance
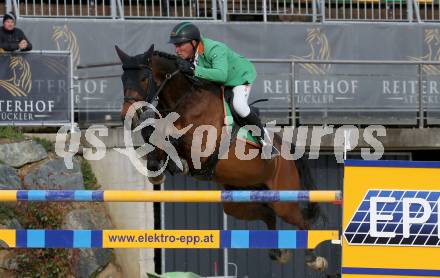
(151, 89)
(151, 94)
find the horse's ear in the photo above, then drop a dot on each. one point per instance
(122, 55)
(149, 53)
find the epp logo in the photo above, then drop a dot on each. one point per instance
(396, 218)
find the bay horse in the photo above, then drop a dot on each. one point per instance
(154, 77)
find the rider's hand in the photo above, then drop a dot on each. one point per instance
(185, 67)
(23, 44)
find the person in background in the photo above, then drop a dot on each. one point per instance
(12, 38)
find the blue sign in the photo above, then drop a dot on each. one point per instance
(396, 218)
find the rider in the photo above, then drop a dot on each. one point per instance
(214, 61)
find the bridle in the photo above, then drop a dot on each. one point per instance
(152, 87)
(151, 94)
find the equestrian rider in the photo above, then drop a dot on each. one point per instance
(214, 61)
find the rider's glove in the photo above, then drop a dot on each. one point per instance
(186, 67)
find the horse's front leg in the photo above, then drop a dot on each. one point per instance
(172, 166)
(154, 164)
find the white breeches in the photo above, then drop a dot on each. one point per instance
(240, 100)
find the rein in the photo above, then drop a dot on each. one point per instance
(151, 95)
(155, 95)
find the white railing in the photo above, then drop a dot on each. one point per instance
(285, 10)
(66, 8)
(429, 10)
(115, 9)
(230, 10)
(170, 9)
(373, 10)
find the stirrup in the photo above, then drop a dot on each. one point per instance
(274, 152)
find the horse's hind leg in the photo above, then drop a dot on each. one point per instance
(258, 211)
(292, 214)
(287, 178)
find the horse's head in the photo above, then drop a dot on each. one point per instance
(139, 85)
(137, 79)
(59, 36)
(65, 39)
(320, 49)
(432, 40)
(21, 73)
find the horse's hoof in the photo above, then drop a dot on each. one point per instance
(157, 180)
(175, 170)
(319, 264)
(282, 256)
(185, 165)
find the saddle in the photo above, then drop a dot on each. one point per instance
(231, 118)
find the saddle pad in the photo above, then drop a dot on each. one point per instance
(243, 134)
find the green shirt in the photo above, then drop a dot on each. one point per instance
(217, 62)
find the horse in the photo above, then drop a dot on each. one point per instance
(154, 74)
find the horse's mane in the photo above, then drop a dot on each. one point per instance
(165, 55)
(197, 83)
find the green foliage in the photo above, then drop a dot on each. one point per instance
(43, 262)
(47, 145)
(6, 212)
(89, 179)
(11, 132)
(46, 262)
(41, 215)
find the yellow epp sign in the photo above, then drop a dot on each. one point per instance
(390, 219)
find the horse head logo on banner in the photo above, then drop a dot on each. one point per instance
(432, 50)
(19, 84)
(319, 49)
(65, 39)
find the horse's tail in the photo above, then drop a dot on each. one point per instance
(311, 211)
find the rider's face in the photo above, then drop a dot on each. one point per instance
(9, 24)
(185, 50)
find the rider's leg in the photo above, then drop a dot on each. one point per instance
(240, 100)
(240, 103)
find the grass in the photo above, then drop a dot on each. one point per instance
(46, 144)
(89, 178)
(10, 132)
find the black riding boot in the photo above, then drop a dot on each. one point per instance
(253, 119)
